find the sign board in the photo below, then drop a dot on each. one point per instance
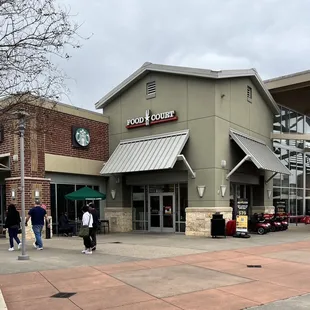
(151, 119)
(242, 216)
(280, 207)
(242, 223)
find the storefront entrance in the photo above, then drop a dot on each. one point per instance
(161, 212)
(243, 191)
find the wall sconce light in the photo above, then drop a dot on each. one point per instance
(223, 163)
(113, 193)
(13, 194)
(36, 193)
(15, 158)
(223, 189)
(269, 192)
(201, 190)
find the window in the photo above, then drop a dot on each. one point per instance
(249, 93)
(64, 205)
(139, 215)
(151, 89)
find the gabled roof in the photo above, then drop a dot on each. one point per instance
(203, 73)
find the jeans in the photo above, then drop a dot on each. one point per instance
(13, 236)
(37, 230)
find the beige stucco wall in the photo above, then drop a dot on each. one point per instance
(208, 108)
(233, 110)
(75, 165)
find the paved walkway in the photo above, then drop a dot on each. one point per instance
(164, 272)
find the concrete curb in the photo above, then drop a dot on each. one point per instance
(2, 302)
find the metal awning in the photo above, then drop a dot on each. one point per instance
(258, 152)
(5, 162)
(148, 153)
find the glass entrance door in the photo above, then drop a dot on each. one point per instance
(155, 221)
(162, 210)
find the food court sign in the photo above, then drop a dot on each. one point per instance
(151, 119)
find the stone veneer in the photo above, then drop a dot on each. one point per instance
(29, 232)
(120, 219)
(198, 220)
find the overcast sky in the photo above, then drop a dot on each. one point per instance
(272, 36)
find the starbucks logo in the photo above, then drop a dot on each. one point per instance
(82, 137)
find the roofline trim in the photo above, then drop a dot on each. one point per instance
(204, 73)
(287, 76)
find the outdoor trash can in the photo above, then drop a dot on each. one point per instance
(218, 227)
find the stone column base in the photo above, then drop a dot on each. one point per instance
(263, 209)
(29, 231)
(120, 219)
(44, 228)
(198, 220)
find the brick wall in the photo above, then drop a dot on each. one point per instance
(7, 145)
(48, 131)
(58, 139)
(30, 186)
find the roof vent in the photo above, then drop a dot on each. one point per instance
(151, 89)
(249, 92)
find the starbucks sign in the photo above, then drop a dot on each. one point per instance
(80, 137)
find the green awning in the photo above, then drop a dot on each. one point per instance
(85, 193)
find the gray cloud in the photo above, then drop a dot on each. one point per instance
(269, 35)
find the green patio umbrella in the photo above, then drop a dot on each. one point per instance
(86, 193)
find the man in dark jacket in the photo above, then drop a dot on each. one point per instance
(96, 223)
(37, 215)
(64, 225)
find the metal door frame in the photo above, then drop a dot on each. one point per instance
(163, 229)
(161, 218)
(155, 229)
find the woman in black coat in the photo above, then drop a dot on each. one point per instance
(12, 223)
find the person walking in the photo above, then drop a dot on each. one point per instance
(93, 234)
(87, 220)
(37, 215)
(12, 223)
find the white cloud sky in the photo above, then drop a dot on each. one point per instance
(269, 35)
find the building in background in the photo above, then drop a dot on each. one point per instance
(186, 143)
(65, 148)
(291, 139)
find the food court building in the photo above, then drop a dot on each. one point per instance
(171, 147)
(185, 143)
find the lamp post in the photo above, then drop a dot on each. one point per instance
(21, 127)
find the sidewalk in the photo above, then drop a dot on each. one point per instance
(185, 277)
